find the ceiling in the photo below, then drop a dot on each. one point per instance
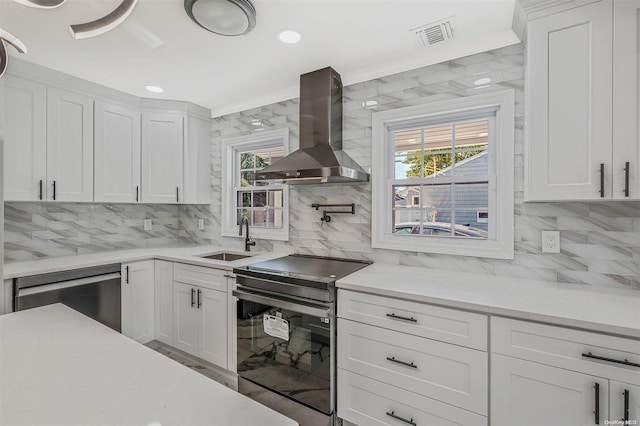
(158, 44)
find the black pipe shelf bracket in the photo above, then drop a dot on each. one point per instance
(325, 213)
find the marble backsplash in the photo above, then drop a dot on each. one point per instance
(600, 241)
(37, 230)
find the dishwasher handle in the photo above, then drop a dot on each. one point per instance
(65, 284)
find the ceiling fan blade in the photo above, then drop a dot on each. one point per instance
(41, 4)
(12, 40)
(104, 24)
(3, 58)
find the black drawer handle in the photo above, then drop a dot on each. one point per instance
(410, 422)
(199, 303)
(192, 299)
(617, 361)
(394, 316)
(397, 361)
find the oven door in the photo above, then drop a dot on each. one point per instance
(287, 346)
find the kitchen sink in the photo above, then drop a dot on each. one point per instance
(225, 256)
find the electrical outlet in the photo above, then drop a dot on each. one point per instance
(201, 224)
(147, 224)
(550, 242)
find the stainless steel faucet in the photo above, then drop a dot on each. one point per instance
(248, 242)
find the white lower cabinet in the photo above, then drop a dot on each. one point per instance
(525, 393)
(389, 374)
(137, 292)
(543, 374)
(163, 277)
(200, 323)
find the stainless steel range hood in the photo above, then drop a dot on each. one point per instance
(320, 158)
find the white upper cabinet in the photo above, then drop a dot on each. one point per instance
(162, 156)
(569, 101)
(69, 146)
(626, 92)
(117, 153)
(25, 160)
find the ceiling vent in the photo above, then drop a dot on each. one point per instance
(435, 32)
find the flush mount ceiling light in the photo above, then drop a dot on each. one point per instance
(223, 17)
(289, 36)
(104, 24)
(154, 89)
(370, 104)
(8, 38)
(41, 4)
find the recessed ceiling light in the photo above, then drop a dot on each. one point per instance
(256, 122)
(482, 81)
(289, 36)
(483, 134)
(154, 89)
(370, 104)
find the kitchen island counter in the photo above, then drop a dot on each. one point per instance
(58, 367)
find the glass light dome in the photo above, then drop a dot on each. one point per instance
(224, 17)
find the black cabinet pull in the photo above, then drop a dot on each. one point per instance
(54, 190)
(199, 303)
(626, 179)
(192, 299)
(126, 270)
(625, 413)
(137, 194)
(177, 194)
(395, 416)
(617, 361)
(394, 316)
(601, 180)
(596, 411)
(40, 192)
(397, 361)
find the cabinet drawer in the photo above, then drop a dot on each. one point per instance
(447, 325)
(563, 347)
(365, 402)
(447, 373)
(197, 275)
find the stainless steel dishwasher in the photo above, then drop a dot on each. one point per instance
(93, 291)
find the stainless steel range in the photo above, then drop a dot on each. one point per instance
(286, 331)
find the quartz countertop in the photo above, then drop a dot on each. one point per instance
(59, 367)
(614, 311)
(185, 254)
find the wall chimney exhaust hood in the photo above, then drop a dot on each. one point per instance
(320, 158)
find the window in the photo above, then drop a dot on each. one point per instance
(442, 180)
(264, 204)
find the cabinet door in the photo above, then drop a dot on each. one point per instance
(117, 154)
(25, 119)
(138, 301)
(162, 156)
(626, 93)
(624, 401)
(569, 128)
(185, 318)
(213, 325)
(163, 277)
(69, 146)
(197, 161)
(525, 393)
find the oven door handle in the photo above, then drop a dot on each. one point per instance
(300, 307)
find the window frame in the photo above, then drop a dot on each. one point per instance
(501, 241)
(231, 150)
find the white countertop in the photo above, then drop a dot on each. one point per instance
(615, 311)
(186, 254)
(58, 367)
